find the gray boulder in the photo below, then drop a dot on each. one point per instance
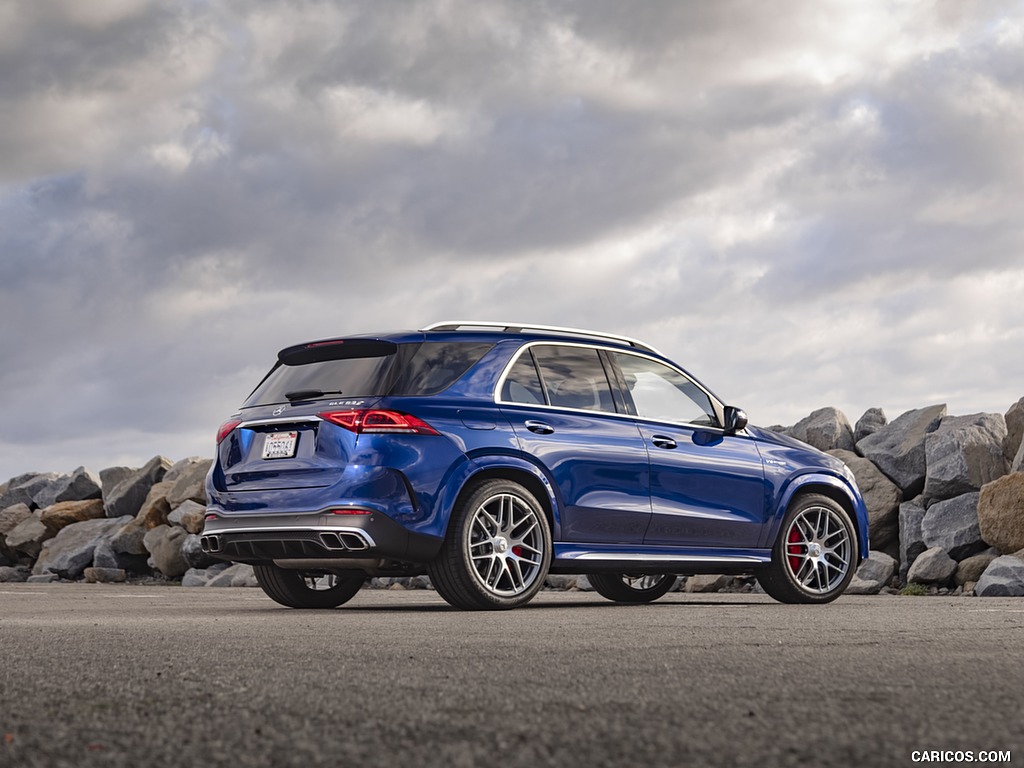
(201, 577)
(1018, 460)
(872, 575)
(704, 582)
(23, 488)
(194, 555)
(130, 539)
(898, 448)
(111, 477)
(127, 497)
(107, 557)
(189, 481)
(1004, 577)
(27, 537)
(952, 525)
(911, 539)
(164, 544)
(190, 516)
(872, 421)
(78, 486)
(13, 574)
(881, 497)
(9, 519)
(933, 566)
(827, 429)
(238, 575)
(973, 567)
(1001, 513)
(964, 453)
(71, 551)
(1014, 430)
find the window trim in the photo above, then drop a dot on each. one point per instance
(717, 404)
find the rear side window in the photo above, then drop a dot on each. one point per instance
(365, 369)
(574, 377)
(522, 385)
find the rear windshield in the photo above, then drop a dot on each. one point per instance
(409, 369)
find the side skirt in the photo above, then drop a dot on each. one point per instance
(684, 561)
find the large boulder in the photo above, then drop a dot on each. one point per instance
(78, 486)
(973, 567)
(111, 477)
(827, 429)
(911, 540)
(1014, 430)
(190, 516)
(963, 454)
(872, 575)
(1018, 460)
(129, 540)
(1001, 513)
(9, 519)
(156, 507)
(881, 497)
(192, 551)
(1004, 577)
(65, 513)
(105, 556)
(164, 543)
(952, 525)
(189, 481)
(933, 566)
(71, 551)
(23, 488)
(872, 421)
(27, 537)
(898, 448)
(128, 496)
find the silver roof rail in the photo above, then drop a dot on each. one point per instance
(484, 325)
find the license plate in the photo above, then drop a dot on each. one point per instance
(280, 445)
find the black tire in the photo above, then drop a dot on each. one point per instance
(290, 588)
(628, 588)
(497, 550)
(815, 554)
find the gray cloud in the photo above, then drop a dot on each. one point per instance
(806, 204)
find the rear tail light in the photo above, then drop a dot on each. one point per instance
(226, 429)
(372, 421)
(352, 511)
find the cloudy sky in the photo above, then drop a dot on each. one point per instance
(806, 204)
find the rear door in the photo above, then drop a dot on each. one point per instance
(707, 488)
(564, 413)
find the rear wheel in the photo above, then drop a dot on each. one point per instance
(629, 588)
(304, 589)
(813, 559)
(497, 551)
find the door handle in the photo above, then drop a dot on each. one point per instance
(539, 427)
(663, 442)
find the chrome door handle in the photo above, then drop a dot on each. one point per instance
(539, 427)
(663, 442)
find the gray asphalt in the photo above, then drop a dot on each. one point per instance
(98, 675)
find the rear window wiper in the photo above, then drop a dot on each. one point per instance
(309, 394)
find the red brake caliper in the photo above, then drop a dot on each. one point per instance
(794, 548)
(517, 551)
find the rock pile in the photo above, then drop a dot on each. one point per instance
(945, 500)
(945, 495)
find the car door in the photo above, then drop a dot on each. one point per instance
(707, 488)
(566, 416)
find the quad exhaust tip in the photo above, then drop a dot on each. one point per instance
(210, 544)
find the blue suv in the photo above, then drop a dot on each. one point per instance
(489, 455)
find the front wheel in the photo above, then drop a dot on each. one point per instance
(627, 588)
(813, 559)
(301, 589)
(497, 551)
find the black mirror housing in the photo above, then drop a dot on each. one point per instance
(735, 419)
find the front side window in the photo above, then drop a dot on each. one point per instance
(661, 393)
(574, 377)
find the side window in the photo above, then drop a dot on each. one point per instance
(522, 385)
(662, 393)
(574, 377)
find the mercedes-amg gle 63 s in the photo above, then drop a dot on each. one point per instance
(489, 455)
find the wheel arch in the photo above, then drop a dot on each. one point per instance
(830, 487)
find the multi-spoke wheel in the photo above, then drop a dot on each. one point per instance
(497, 551)
(632, 588)
(302, 589)
(815, 555)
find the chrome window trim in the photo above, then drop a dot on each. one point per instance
(718, 406)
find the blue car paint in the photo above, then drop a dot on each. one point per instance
(599, 486)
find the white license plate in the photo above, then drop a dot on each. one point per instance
(280, 445)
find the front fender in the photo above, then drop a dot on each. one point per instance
(810, 480)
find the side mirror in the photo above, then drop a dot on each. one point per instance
(735, 419)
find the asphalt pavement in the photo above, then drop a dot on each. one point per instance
(101, 675)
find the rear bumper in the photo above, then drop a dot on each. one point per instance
(316, 536)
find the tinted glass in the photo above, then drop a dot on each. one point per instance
(436, 365)
(356, 377)
(574, 378)
(662, 393)
(522, 385)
